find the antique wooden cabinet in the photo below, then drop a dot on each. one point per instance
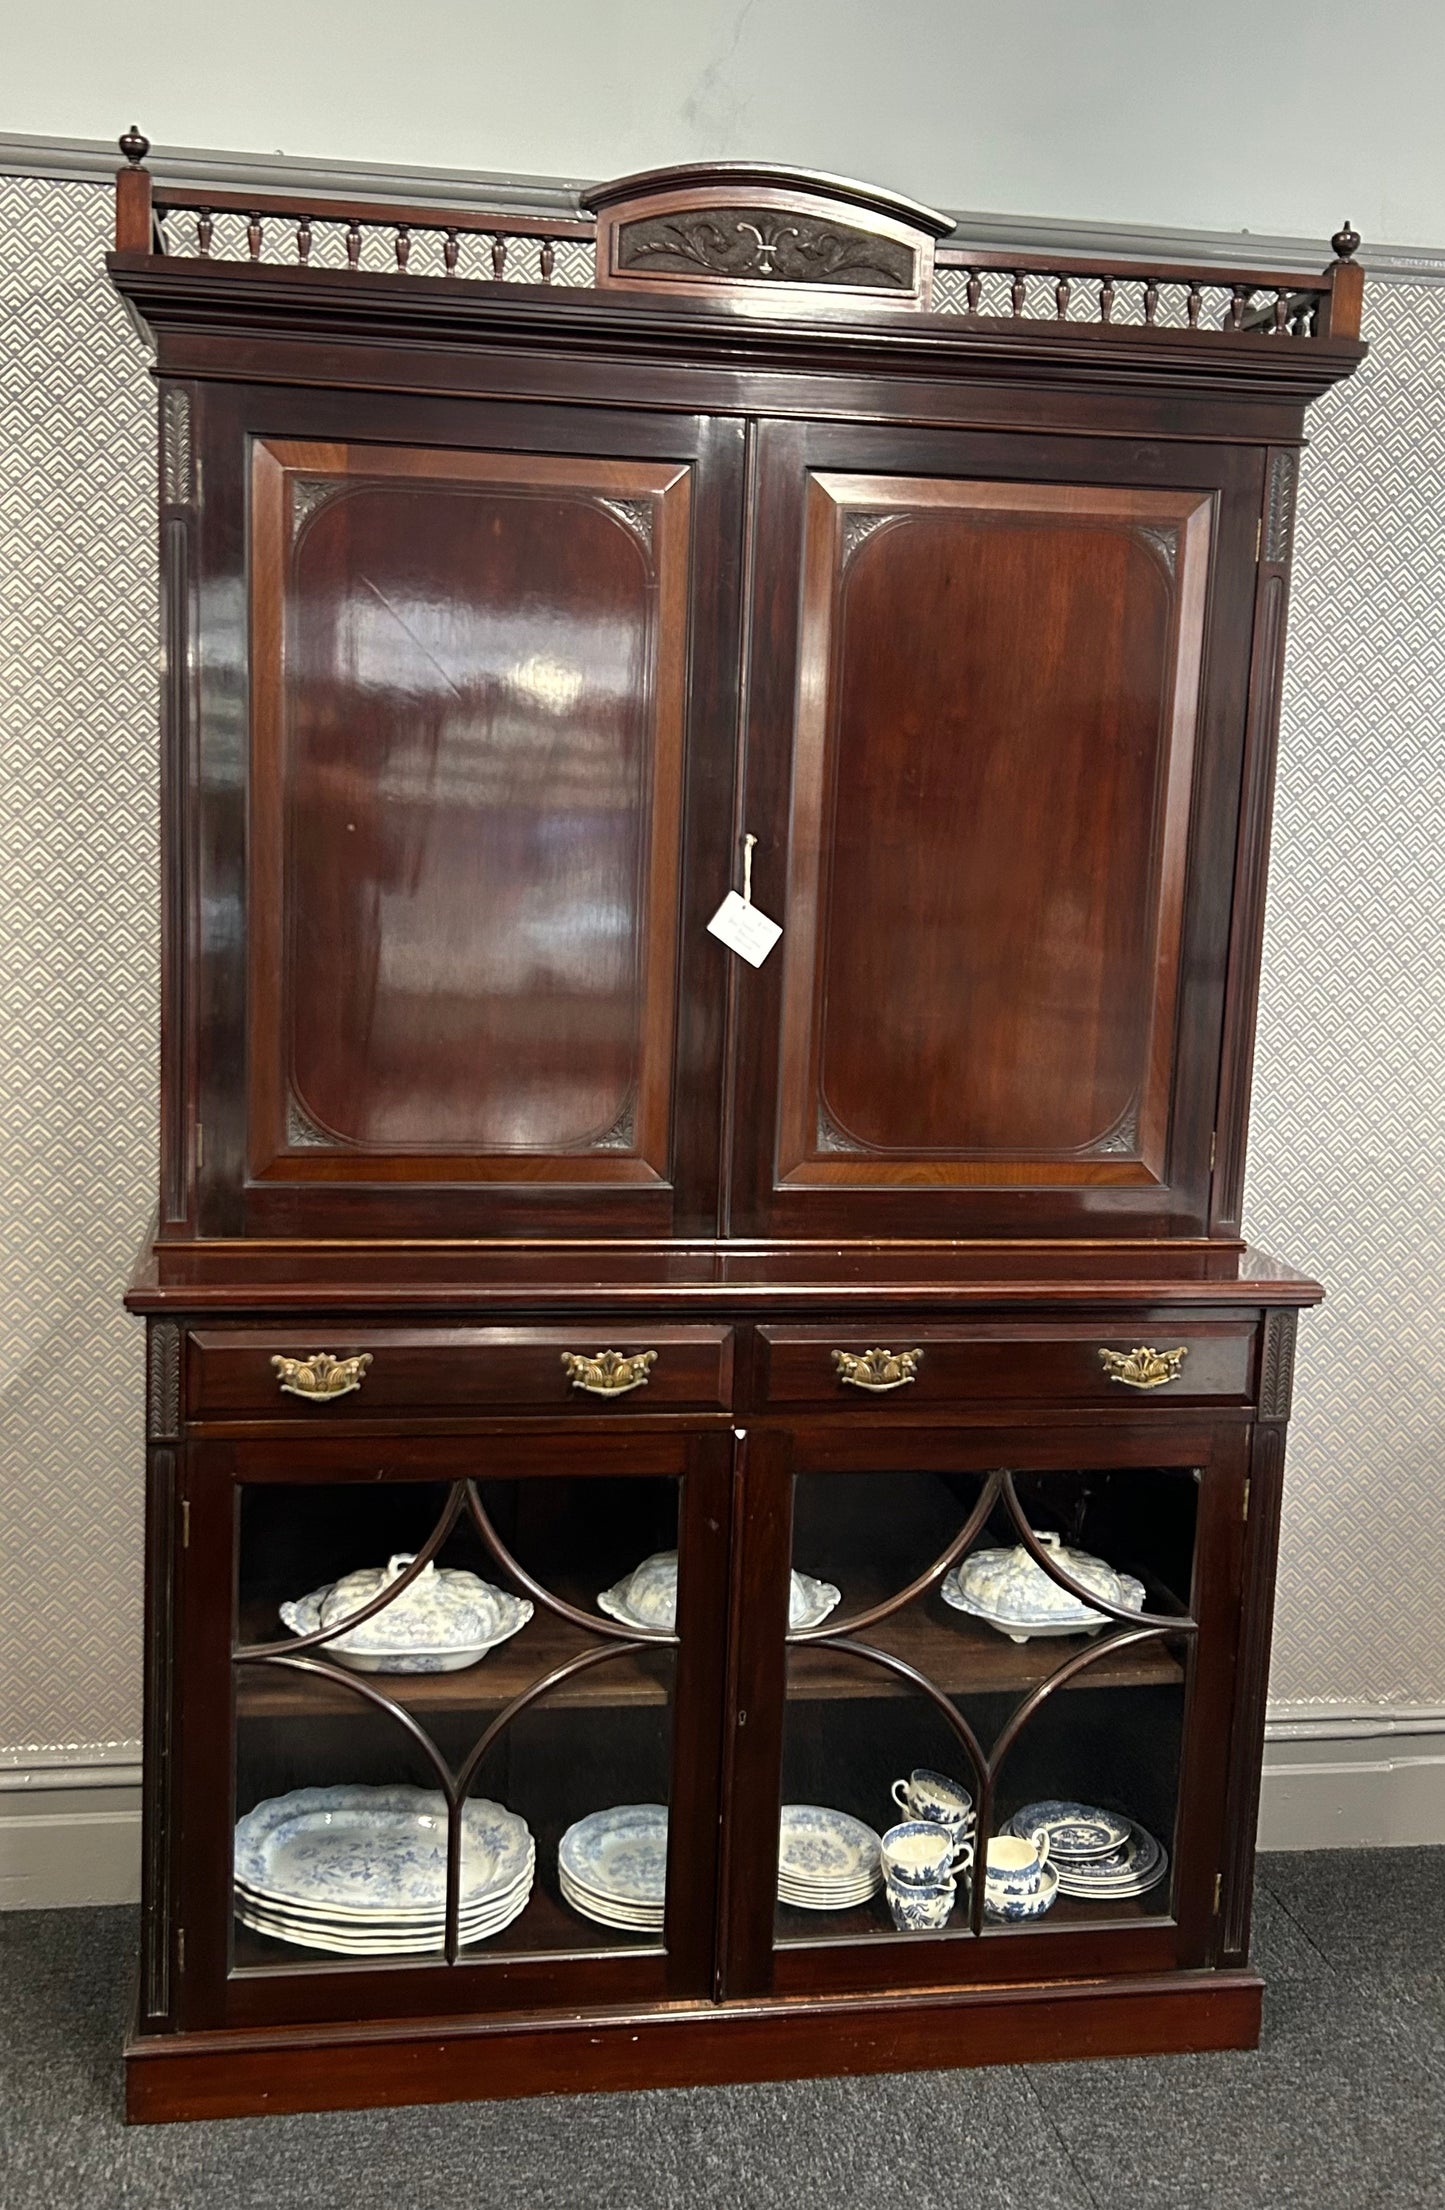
(528, 586)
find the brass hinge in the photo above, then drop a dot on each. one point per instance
(1244, 1509)
(1218, 1891)
(180, 1952)
(1258, 538)
(185, 1523)
(1213, 1148)
(200, 1145)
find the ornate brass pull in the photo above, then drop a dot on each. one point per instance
(610, 1373)
(1143, 1368)
(320, 1377)
(877, 1370)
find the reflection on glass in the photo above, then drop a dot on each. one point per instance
(1005, 1674)
(444, 1744)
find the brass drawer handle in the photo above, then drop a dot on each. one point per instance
(1143, 1368)
(877, 1370)
(320, 1377)
(610, 1373)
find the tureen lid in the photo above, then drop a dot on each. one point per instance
(444, 1608)
(648, 1596)
(1013, 1585)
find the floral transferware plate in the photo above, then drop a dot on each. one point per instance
(360, 1852)
(821, 1850)
(443, 1621)
(618, 1855)
(344, 1939)
(647, 1597)
(1009, 1590)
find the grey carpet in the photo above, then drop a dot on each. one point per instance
(1342, 2109)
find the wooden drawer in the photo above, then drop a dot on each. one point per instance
(230, 1372)
(1056, 1362)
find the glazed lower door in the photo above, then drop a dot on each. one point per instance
(953, 1645)
(472, 1754)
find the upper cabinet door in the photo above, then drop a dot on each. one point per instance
(467, 867)
(994, 749)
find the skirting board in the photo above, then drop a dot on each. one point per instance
(1333, 1779)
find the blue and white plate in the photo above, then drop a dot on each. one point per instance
(618, 1856)
(389, 1938)
(363, 1853)
(1076, 1830)
(822, 1852)
(1139, 1865)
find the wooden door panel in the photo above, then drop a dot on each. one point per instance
(994, 695)
(467, 780)
(983, 800)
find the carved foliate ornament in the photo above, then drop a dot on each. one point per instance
(1143, 1367)
(877, 1370)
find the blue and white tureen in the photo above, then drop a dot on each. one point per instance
(647, 1597)
(1011, 1591)
(442, 1621)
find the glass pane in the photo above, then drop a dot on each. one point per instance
(468, 1694)
(995, 1701)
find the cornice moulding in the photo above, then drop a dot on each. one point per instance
(192, 168)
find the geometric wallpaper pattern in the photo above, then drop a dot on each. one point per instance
(1347, 1157)
(78, 967)
(1347, 1173)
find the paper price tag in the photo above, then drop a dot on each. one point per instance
(744, 929)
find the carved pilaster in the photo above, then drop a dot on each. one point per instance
(178, 458)
(1276, 1363)
(163, 1382)
(1279, 506)
(158, 1810)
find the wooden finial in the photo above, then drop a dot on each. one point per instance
(135, 146)
(1346, 242)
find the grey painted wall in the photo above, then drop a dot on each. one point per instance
(1271, 115)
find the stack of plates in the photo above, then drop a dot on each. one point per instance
(1098, 1854)
(612, 1866)
(363, 1871)
(827, 1861)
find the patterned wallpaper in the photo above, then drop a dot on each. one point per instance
(1349, 1135)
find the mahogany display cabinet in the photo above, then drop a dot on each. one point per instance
(528, 586)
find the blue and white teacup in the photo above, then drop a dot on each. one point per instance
(936, 1798)
(920, 1910)
(918, 1854)
(1015, 1864)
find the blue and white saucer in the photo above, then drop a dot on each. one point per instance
(1076, 1830)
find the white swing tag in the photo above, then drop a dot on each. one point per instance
(738, 924)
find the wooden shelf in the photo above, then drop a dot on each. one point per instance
(959, 1655)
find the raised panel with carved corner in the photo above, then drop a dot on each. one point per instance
(993, 701)
(466, 847)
